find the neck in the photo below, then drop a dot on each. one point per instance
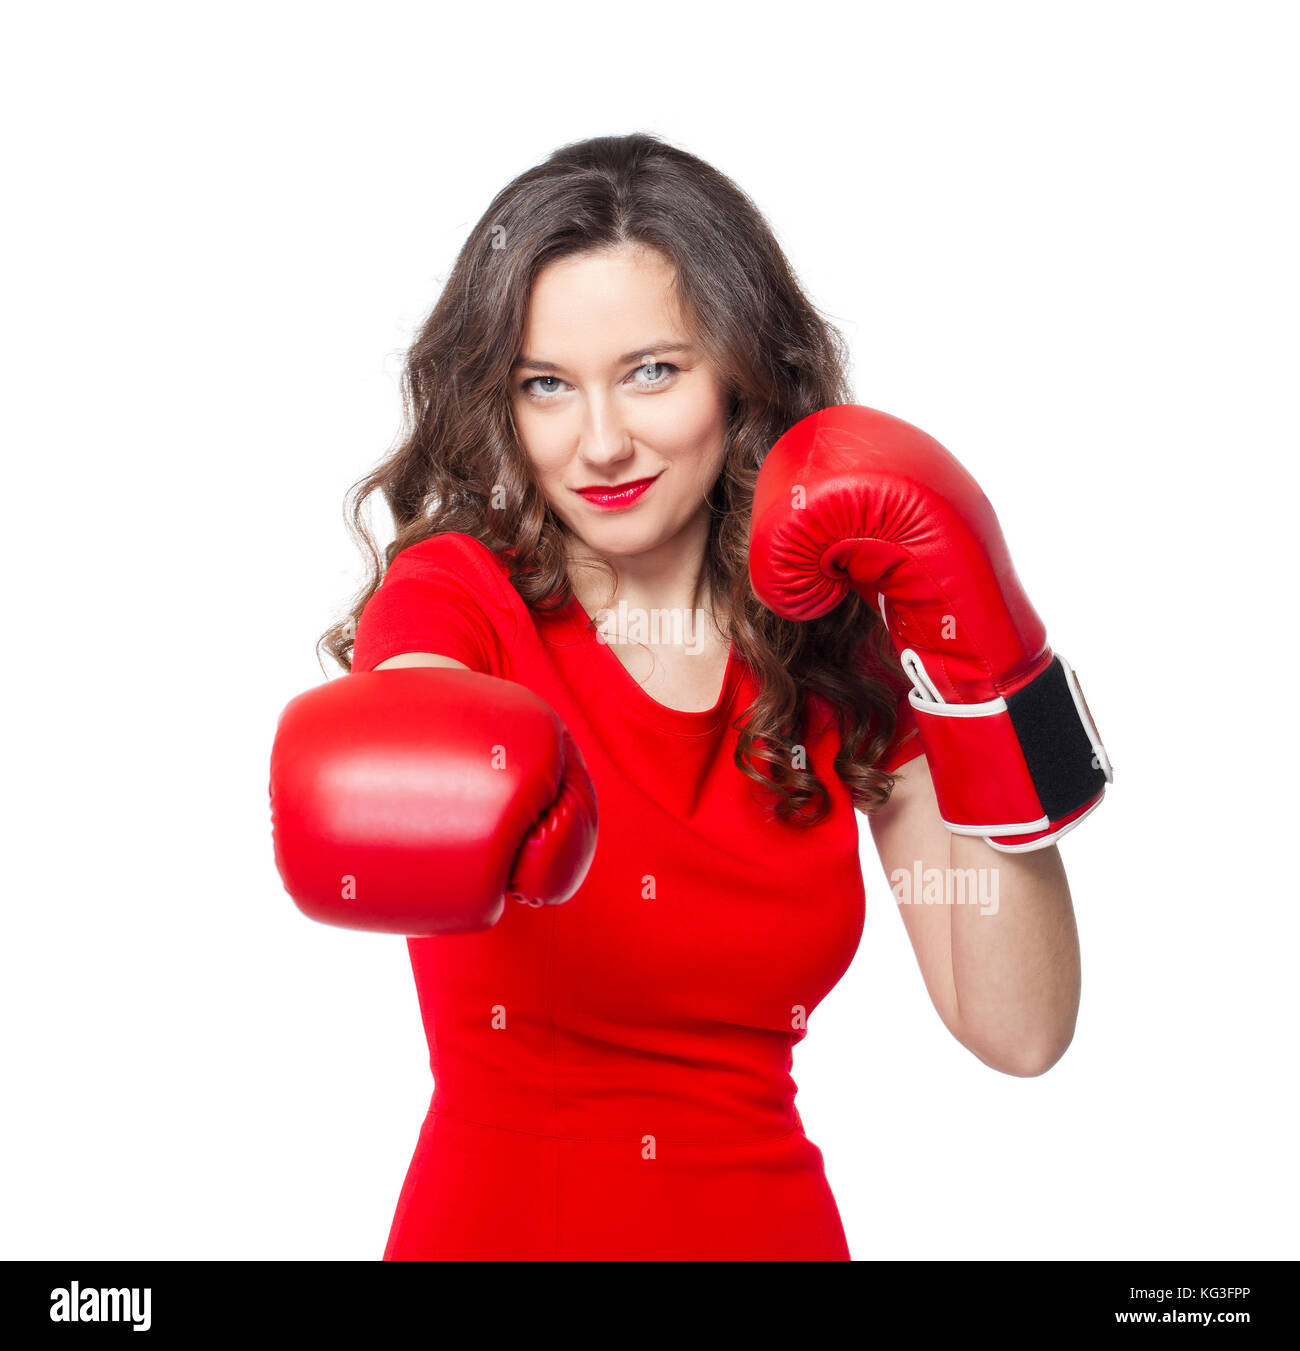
(669, 577)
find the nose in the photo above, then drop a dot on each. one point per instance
(605, 440)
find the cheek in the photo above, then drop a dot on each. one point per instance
(690, 425)
(546, 441)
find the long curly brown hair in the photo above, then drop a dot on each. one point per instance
(459, 465)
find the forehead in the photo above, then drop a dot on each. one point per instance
(595, 304)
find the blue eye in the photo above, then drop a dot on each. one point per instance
(649, 375)
(666, 370)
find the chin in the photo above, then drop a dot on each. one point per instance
(621, 538)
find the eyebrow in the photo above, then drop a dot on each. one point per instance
(648, 349)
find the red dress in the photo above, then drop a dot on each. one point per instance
(612, 1076)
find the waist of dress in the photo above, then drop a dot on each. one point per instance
(677, 1133)
(609, 1113)
(549, 1082)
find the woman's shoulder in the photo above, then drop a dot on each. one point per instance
(446, 594)
(453, 558)
(450, 546)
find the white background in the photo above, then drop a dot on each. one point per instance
(1060, 239)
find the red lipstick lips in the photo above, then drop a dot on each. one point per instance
(617, 496)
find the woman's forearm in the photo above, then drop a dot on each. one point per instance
(1015, 955)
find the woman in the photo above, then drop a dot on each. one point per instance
(566, 626)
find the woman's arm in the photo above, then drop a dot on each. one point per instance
(419, 659)
(1000, 955)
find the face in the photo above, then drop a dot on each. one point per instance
(619, 411)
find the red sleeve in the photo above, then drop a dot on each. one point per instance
(441, 595)
(906, 742)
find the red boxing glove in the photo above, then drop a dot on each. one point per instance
(416, 800)
(853, 498)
